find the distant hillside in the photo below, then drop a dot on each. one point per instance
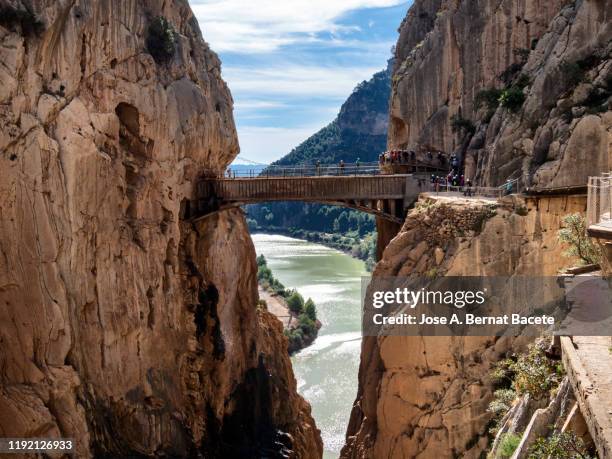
(358, 132)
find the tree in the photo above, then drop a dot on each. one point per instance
(295, 302)
(580, 245)
(310, 309)
(343, 222)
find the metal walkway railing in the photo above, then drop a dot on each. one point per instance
(313, 170)
(599, 205)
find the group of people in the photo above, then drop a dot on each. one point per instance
(453, 179)
(396, 156)
(405, 156)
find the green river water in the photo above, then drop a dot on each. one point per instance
(326, 372)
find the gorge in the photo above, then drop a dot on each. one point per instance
(133, 329)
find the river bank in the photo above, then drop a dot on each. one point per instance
(327, 370)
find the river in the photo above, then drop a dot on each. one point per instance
(326, 371)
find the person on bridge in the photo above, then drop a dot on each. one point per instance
(433, 180)
(357, 165)
(508, 187)
(468, 188)
(341, 166)
(318, 167)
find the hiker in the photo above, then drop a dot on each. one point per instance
(441, 158)
(468, 188)
(449, 179)
(229, 173)
(437, 184)
(508, 187)
(357, 164)
(341, 166)
(381, 159)
(432, 180)
(318, 167)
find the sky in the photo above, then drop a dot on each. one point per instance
(290, 64)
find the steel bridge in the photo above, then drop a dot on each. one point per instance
(357, 186)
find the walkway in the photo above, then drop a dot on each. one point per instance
(588, 362)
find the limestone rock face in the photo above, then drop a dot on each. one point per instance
(428, 396)
(123, 325)
(556, 52)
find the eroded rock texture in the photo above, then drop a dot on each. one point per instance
(556, 52)
(121, 324)
(428, 396)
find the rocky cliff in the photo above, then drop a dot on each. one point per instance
(428, 396)
(515, 87)
(122, 325)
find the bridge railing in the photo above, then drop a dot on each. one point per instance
(510, 187)
(599, 201)
(313, 170)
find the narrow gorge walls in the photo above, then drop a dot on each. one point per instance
(123, 326)
(428, 396)
(515, 87)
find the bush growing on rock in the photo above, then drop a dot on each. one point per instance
(509, 444)
(512, 98)
(580, 245)
(161, 40)
(564, 445)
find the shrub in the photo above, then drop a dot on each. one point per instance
(310, 309)
(295, 302)
(580, 245)
(462, 125)
(534, 374)
(488, 97)
(161, 40)
(307, 325)
(512, 98)
(508, 444)
(565, 445)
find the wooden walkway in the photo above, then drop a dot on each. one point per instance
(387, 196)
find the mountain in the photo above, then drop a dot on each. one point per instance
(359, 132)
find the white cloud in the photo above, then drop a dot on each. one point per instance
(266, 25)
(267, 144)
(296, 80)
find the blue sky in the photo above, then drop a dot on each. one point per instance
(291, 63)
